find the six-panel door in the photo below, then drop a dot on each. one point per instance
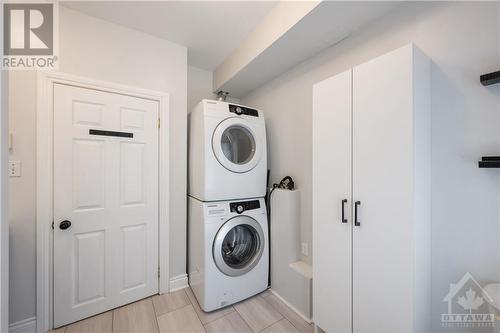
(106, 186)
(332, 203)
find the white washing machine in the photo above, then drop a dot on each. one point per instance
(227, 152)
(228, 249)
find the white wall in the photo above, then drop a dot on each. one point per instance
(199, 86)
(22, 93)
(4, 227)
(462, 39)
(97, 49)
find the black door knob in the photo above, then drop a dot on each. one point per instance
(64, 225)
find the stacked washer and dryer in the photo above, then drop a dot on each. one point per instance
(228, 247)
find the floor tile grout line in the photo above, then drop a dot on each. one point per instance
(154, 307)
(196, 312)
(197, 315)
(284, 316)
(208, 322)
(191, 305)
(156, 317)
(187, 295)
(273, 324)
(182, 307)
(242, 317)
(227, 314)
(244, 321)
(156, 313)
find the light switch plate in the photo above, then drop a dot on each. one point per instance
(14, 168)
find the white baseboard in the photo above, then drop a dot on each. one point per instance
(178, 282)
(300, 314)
(24, 326)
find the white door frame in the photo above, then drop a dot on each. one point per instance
(44, 183)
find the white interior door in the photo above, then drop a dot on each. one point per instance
(382, 182)
(107, 187)
(332, 229)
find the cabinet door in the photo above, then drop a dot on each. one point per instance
(331, 185)
(382, 182)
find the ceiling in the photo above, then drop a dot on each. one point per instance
(328, 24)
(209, 29)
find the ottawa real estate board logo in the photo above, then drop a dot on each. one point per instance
(469, 306)
(29, 39)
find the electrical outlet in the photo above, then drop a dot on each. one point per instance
(305, 249)
(14, 168)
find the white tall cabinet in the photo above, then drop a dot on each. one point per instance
(371, 196)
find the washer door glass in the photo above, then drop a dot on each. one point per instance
(236, 146)
(238, 246)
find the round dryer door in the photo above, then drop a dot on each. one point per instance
(236, 146)
(238, 246)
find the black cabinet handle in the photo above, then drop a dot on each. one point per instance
(356, 222)
(64, 225)
(344, 220)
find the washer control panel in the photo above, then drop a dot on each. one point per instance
(240, 207)
(239, 110)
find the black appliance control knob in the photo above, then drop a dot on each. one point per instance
(238, 110)
(239, 209)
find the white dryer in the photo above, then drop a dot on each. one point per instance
(227, 152)
(228, 258)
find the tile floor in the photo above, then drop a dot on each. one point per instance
(179, 312)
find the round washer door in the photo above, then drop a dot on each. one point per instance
(238, 245)
(236, 145)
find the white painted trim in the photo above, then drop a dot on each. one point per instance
(27, 325)
(44, 182)
(164, 195)
(178, 282)
(300, 314)
(43, 204)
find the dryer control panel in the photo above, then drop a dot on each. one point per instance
(240, 207)
(239, 110)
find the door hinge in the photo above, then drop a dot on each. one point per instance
(158, 271)
(158, 122)
(52, 225)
